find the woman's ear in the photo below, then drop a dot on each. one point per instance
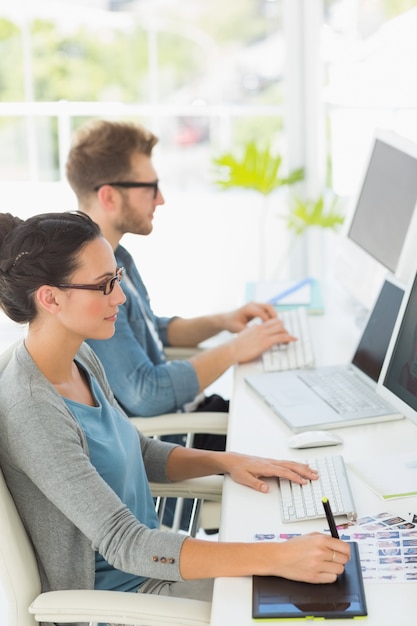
(46, 297)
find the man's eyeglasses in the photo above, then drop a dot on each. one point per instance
(126, 184)
(106, 287)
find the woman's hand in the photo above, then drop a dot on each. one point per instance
(184, 463)
(249, 470)
(313, 558)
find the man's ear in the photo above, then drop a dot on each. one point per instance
(109, 197)
(46, 297)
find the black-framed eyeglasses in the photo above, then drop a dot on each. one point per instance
(127, 184)
(106, 287)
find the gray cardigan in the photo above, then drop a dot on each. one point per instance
(69, 511)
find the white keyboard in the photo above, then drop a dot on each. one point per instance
(344, 391)
(303, 502)
(296, 354)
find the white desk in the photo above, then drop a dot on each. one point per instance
(254, 429)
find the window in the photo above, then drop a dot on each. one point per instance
(201, 73)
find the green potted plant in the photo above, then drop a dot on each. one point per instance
(321, 212)
(258, 168)
(306, 220)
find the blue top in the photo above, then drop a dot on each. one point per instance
(141, 379)
(116, 454)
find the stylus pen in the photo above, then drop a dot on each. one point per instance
(330, 518)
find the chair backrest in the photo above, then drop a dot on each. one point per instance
(19, 574)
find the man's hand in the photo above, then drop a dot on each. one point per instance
(253, 340)
(237, 320)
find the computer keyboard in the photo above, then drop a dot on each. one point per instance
(303, 502)
(296, 354)
(344, 391)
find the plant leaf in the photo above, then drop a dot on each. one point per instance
(306, 213)
(257, 169)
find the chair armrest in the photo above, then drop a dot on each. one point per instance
(118, 607)
(173, 353)
(204, 488)
(178, 423)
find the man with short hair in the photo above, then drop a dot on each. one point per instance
(110, 169)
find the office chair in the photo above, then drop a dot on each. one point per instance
(205, 514)
(23, 604)
(179, 353)
(206, 511)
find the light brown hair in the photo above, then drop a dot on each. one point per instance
(102, 152)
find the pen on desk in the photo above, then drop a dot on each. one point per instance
(289, 291)
(330, 518)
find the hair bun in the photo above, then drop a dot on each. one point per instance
(8, 223)
(6, 265)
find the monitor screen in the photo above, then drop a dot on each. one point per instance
(386, 203)
(380, 230)
(398, 382)
(370, 353)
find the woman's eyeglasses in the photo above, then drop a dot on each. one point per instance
(131, 185)
(106, 287)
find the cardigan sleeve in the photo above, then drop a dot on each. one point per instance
(59, 493)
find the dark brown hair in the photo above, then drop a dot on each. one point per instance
(42, 250)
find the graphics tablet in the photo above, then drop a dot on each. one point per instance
(278, 598)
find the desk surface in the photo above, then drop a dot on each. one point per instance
(254, 429)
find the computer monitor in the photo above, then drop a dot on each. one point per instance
(398, 379)
(380, 230)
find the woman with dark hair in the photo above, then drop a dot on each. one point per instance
(77, 468)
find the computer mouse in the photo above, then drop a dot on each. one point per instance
(314, 439)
